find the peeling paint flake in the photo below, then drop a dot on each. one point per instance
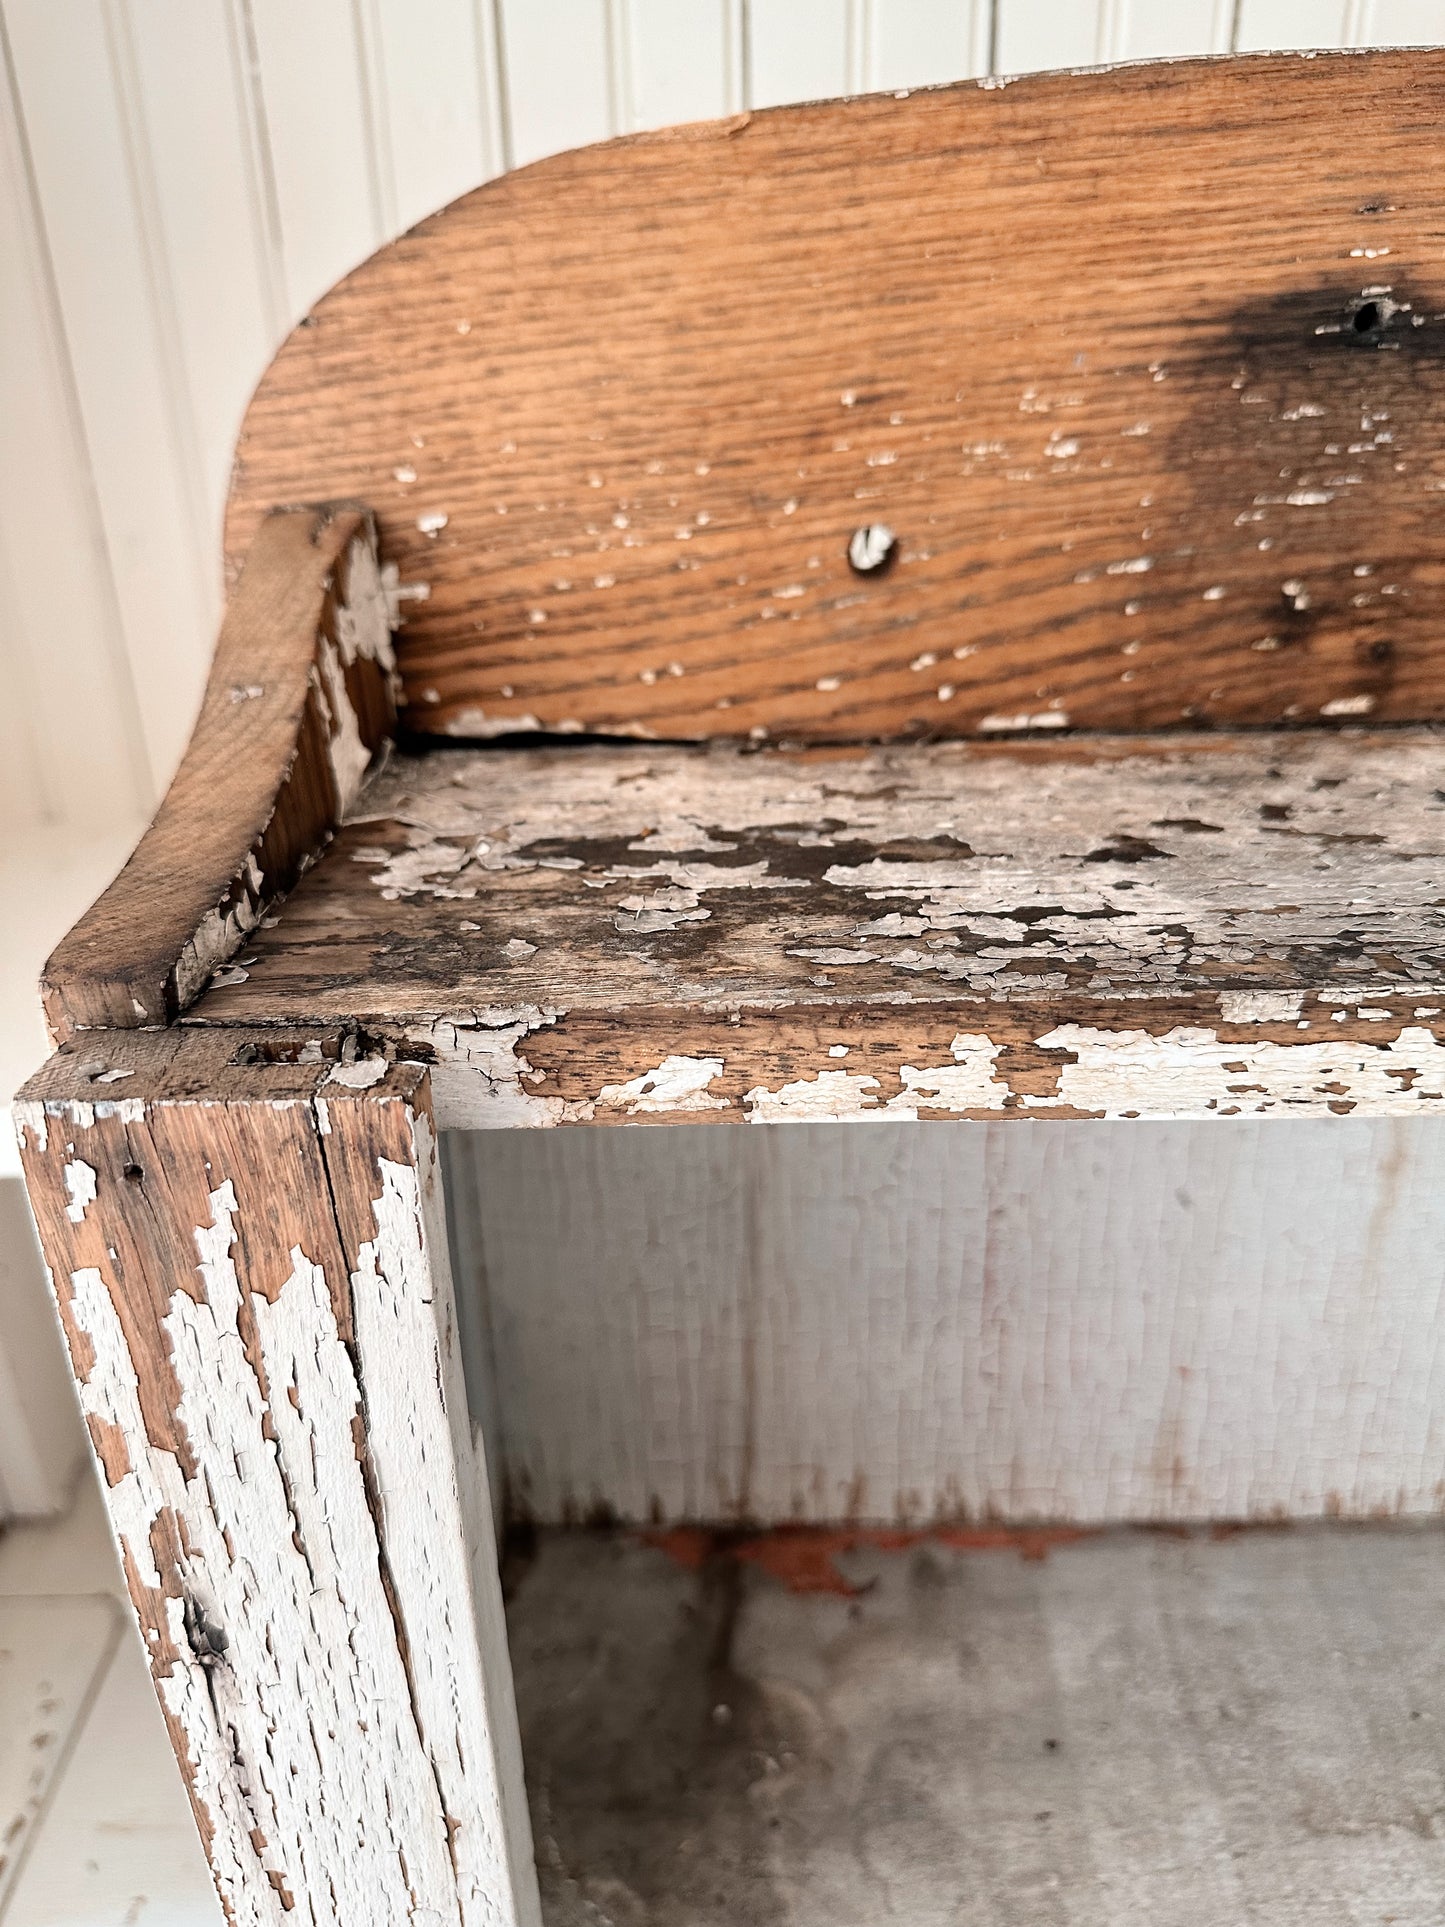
(1189, 1073)
(79, 1189)
(677, 1084)
(575, 935)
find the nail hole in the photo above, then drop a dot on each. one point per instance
(133, 1174)
(1368, 317)
(872, 548)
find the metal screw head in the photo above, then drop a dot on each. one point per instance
(872, 548)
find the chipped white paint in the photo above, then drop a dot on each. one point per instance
(1192, 1073)
(362, 624)
(347, 1773)
(1044, 719)
(218, 936)
(1079, 1323)
(79, 1189)
(1269, 885)
(480, 1075)
(839, 1096)
(441, 1552)
(677, 1084)
(966, 1083)
(1260, 1006)
(359, 1075)
(347, 754)
(360, 630)
(476, 723)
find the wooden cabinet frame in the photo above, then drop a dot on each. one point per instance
(589, 441)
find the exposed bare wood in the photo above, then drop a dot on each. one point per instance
(1143, 367)
(254, 1285)
(299, 696)
(1116, 927)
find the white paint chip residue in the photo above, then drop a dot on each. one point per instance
(1259, 1006)
(1045, 719)
(1192, 1073)
(833, 1097)
(79, 1189)
(677, 1084)
(361, 1075)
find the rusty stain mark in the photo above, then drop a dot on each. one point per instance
(804, 1558)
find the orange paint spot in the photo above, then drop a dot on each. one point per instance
(804, 1558)
(1030, 1542)
(686, 1546)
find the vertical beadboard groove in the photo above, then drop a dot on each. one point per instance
(260, 170)
(181, 425)
(737, 76)
(491, 112)
(1358, 22)
(1111, 36)
(621, 67)
(494, 39)
(859, 29)
(88, 541)
(376, 117)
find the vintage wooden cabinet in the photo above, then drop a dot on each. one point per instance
(911, 608)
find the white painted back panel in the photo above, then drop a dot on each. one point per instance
(1081, 1321)
(915, 43)
(684, 63)
(803, 50)
(559, 64)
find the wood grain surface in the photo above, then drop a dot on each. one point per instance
(300, 694)
(1143, 367)
(613, 933)
(251, 1270)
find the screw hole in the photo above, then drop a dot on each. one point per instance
(133, 1174)
(1368, 317)
(871, 549)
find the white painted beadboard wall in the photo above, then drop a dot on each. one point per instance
(179, 181)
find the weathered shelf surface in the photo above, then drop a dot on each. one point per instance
(1101, 928)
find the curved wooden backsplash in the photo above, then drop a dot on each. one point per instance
(1145, 368)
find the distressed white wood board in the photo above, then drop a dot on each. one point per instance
(52, 1654)
(1093, 1321)
(1116, 928)
(1137, 1731)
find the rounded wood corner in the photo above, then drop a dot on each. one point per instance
(299, 696)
